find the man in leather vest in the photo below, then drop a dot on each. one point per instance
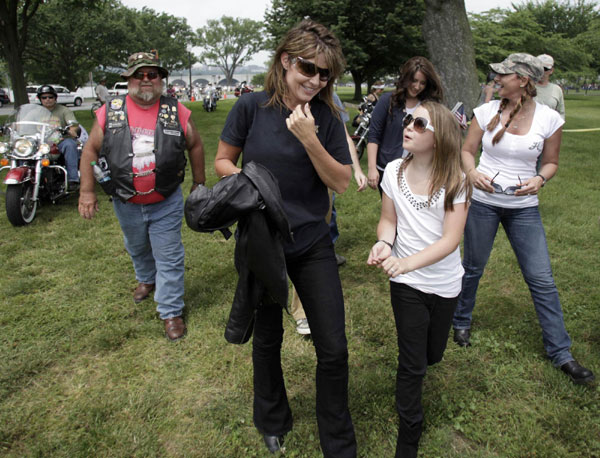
(140, 140)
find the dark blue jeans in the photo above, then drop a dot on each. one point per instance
(524, 229)
(422, 323)
(316, 279)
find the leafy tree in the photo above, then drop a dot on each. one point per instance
(169, 35)
(376, 37)
(258, 79)
(569, 32)
(15, 16)
(59, 52)
(229, 42)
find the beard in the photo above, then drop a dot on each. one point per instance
(146, 96)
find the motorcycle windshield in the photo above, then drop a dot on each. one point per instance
(33, 120)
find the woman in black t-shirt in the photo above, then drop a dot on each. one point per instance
(293, 128)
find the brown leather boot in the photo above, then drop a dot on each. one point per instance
(142, 291)
(175, 328)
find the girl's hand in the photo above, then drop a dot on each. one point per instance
(481, 181)
(301, 123)
(530, 187)
(394, 266)
(378, 254)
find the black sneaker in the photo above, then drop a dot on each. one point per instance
(73, 186)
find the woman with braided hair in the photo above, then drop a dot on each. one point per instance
(513, 132)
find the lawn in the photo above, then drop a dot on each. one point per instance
(85, 372)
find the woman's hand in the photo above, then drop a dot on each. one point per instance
(361, 180)
(394, 266)
(530, 187)
(373, 177)
(301, 123)
(379, 252)
(481, 180)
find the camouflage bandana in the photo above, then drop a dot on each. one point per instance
(522, 64)
(143, 59)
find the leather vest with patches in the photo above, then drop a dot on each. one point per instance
(169, 148)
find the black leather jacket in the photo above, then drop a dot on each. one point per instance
(252, 198)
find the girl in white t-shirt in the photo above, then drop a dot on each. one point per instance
(424, 209)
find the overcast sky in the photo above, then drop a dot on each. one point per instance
(197, 12)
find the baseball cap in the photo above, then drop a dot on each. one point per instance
(522, 64)
(143, 59)
(547, 60)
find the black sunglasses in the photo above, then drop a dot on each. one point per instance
(509, 191)
(310, 69)
(139, 75)
(46, 97)
(421, 124)
(547, 69)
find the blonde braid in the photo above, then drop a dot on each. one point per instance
(517, 108)
(496, 119)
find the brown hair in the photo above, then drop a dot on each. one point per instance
(446, 170)
(307, 39)
(433, 89)
(530, 92)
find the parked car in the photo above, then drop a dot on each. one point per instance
(65, 97)
(4, 99)
(118, 89)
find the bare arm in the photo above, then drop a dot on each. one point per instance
(334, 175)
(386, 233)
(372, 172)
(469, 150)
(548, 167)
(226, 159)
(195, 148)
(359, 176)
(88, 203)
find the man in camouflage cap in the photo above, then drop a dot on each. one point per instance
(140, 140)
(143, 59)
(522, 64)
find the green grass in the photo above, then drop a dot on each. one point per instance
(85, 372)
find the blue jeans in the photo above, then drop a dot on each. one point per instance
(152, 235)
(524, 229)
(68, 148)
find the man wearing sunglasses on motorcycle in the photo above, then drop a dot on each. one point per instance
(142, 137)
(48, 96)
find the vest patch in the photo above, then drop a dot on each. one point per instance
(172, 132)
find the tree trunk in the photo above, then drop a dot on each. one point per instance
(450, 43)
(357, 85)
(17, 79)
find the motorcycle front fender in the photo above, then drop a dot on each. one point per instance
(18, 175)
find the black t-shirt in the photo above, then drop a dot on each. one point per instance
(263, 135)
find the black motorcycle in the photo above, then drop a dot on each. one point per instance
(362, 122)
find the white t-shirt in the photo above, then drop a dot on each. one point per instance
(417, 227)
(513, 156)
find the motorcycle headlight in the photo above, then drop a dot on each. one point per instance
(44, 148)
(23, 147)
(3, 148)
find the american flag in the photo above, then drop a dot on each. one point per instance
(459, 113)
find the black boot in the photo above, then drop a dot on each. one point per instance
(274, 443)
(462, 337)
(579, 374)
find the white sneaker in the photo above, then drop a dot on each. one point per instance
(302, 327)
